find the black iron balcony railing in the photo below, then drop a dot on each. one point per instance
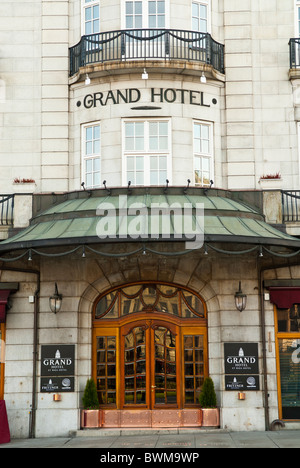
(294, 44)
(134, 44)
(290, 205)
(6, 210)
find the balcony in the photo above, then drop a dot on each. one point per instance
(294, 44)
(6, 215)
(291, 211)
(147, 44)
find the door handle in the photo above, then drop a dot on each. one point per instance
(153, 386)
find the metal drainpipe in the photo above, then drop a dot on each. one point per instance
(34, 359)
(264, 344)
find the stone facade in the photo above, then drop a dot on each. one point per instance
(252, 110)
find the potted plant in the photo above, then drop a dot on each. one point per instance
(91, 414)
(208, 403)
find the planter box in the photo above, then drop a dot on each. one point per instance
(270, 184)
(91, 418)
(24, 187)
(210, 417)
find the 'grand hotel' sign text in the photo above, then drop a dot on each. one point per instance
(134, 95)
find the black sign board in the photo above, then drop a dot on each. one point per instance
(57, 384)
(242, 382)
(57, 360)
(241, 358)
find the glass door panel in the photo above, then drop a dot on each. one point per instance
(106, 369)
(194, 370)
(165, 367)
(135, 367)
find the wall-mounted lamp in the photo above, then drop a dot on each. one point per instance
(87, 80)
(55, 301)
(145, 75)
(203, 78)
(240, 299)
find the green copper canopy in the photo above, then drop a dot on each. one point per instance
(98, 217)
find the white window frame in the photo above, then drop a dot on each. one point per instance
(84, 6)
(202, 154)
(146, 152)
(145, 16)
(206, 3)
(91, 156)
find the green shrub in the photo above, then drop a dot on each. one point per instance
(90, 395)
(207, 398)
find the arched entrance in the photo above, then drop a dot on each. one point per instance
(149, 355)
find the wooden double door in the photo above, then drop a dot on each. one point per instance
(149, 363)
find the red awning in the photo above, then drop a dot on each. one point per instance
(285, 297)
(4, 293)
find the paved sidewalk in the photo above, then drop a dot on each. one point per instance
(185, 440)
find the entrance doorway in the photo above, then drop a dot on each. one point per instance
(149, 354)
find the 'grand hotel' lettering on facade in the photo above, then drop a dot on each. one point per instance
(134, 95)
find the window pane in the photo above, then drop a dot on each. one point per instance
(152, 8)
(163, 163)
(89, 133)
(140, 178)
(88, 14)
(89, 180)
(195, 9)
(205, 146)
(129, 144)
(97, 164)
(96, 132)
(89, 165)
(139, 144)
(97, 147)
(163, 128)
(129, 129)
(153, 162)
(139, 128)
(153, 143)
(96, 11)
(289, 319)
(161, 7)
(203, 25)
(89, 148)
(205, 164)
(163, 143)
(205, 132)
(203, 11)
(130, 163)
(129, 22)
(153, 178)
(161, 22)
(129, 8)
(140, 163)
(162, 177)
(138, 8)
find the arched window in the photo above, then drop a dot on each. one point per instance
(168, 299)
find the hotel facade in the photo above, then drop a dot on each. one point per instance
(149, 212)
